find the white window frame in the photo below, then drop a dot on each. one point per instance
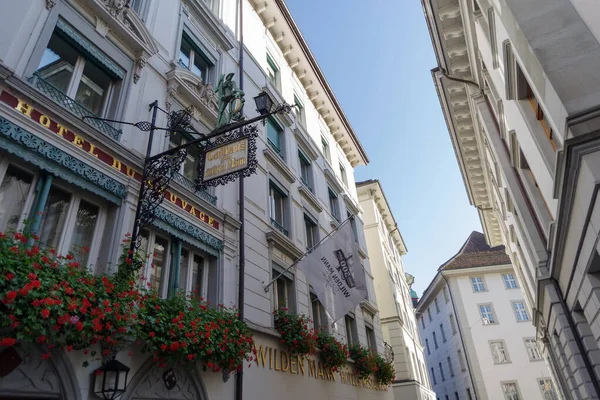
(351, 330)
(484, 318)
(452, 323)
(510, 281)
(535, 348)
(290, 284)
(478, 284)
(461, 360)
(4, 164)
(542, 381)
(503, 349)
(320, 321)
(147, 273)
(205, 271)
(506, 396)
(520, 311)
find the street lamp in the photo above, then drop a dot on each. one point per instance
(110, 382)
(264, 103)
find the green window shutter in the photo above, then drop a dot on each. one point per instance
(273, 134)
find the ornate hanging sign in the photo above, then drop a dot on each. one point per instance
(228, 157)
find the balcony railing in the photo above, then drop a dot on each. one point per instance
(73, 107)
(279, 227)
(185, 182)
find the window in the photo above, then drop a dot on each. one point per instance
(191, 57)
(272, 72)
(371, 340)
(442, 372)
(539, 114)
(351, 333)
(429, 314)
(456, 396)
(334, 205)
(193, 274)
(325, 149)
(533, 351)
(343, 175)
(283, 288)
(427, 345)
(311, 232)
(450, 367)
(446, 299)
(469, 394)
(478, 285)
(299, 111)
(452, 324)
(533, 190)
(75, 74)
(511, 391)
(433, 376)
(423, 322)
(277, 208)
(461, 360)
(435, 343)
(319, 316)
(15, 190)
(137, 6)
(437, 306)
(509, 281)
(305, 170)
(188, 167)
(443, 333)
(547, 388)
(274, 136)
(487, 314)
(158, 249)
(446, 397)
(520, 311)
(499, 352)
(352, 219)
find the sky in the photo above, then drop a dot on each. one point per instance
(378, 60)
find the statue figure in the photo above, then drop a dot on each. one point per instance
(231, 101)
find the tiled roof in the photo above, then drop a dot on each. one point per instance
(476, 253)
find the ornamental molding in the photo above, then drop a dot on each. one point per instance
(33, 149)
(189, 229)
(193, 91)
(307, 145)
(205, 20)
(283, 243)
(50, 4)
(332, 180)
(313, 203)
(280, 165)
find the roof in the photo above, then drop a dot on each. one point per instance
(474, 253)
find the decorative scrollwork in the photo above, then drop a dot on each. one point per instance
(249, 132)
(180, 120)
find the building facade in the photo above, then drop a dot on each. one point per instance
(78, 180)
(521, 103)
(386, 248)
(479, 341)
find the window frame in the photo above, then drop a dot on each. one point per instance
(308, 220)
(452, 324)
(504, 350)
(435, 342)
(278, 148)
(450, 366)
(536, 348)
(351, 330)
(320, 319)
(343, 175)
(492, 312)
(300, 113)
(195, 51)
(461, 360)
(437, 306)
(516, 312)
(326, 149)
(502, 385)
(429, 314)
(205, 272)
(287, 278)
(334, 204)
(146, 274)
(444, 339)
(371, 338)
(507, 281)
(274, 68)
(427, 345)
(474, 284)
(433, 375)
(541, 381)
(445, 291)
(282, 226)
(442, 371)
(305, 164)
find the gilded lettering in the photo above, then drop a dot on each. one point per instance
(193, 211)
(300, 364)
(116, 164)
(293, 366)
(321, 372)
(285, 362)
(211, 220)
(184, 204)
(270, 358)
(78, 141)
(202, 216)
(277, 368)
(130, 172)
(24, 108)
(312, 368)
(92, 150)
(62, 130)
(172, 198)
(45, 121)
(261, 356)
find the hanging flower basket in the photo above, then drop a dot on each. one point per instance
(363, 361)
(333, 354)
(384, 371)
(295, 332)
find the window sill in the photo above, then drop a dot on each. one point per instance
(283, 243)
(332, 179)
(369, 307)
(311, 198)
(276, 160)
(307, 144)
(549, 155)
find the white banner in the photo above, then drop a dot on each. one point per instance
(335, 272)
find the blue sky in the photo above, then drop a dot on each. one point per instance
(378, 59)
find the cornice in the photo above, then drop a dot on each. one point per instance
(306, 144)
(310, 198)
(279, 163)
(283, 243)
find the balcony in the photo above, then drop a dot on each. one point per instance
(279, 227)
(73, 107)
(203, 194)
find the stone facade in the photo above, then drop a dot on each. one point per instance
(386, 248)
(521, 103)
(63, 59)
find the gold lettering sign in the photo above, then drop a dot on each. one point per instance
(226, 159)
(282, 361)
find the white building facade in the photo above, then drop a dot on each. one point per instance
(62, 59)
(474, 322)
(386, 248)
(521, 105)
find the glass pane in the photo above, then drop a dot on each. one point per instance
(93, 88)
(184, 53)
(281, 292)
(273, 134)
(83, 232)
(197, 275)
(200, 66)
(53, 217)
(13, 194)
(57, 63)
(189, 165)
(160, 258)
(184, 263)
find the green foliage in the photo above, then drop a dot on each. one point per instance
(334, 354)
(363, 361)
(384, 371)
(295, 332)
